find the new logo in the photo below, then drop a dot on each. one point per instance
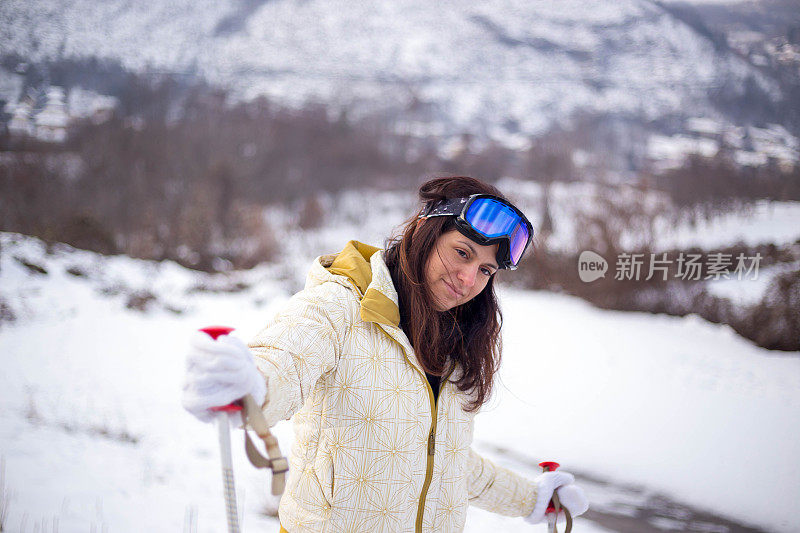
(591, 266)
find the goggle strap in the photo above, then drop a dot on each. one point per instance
(451, 206)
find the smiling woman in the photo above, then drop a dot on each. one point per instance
(383, 360)
(445, 281)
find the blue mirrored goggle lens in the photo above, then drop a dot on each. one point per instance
(492, 218)
(495, 219)
(519, 241)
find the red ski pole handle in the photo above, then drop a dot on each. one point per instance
(549, 466)
(214, 332)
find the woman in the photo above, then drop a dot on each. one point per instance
(383, 360)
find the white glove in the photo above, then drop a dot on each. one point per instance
(570, 495)
(219, 372)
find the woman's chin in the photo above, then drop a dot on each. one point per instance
(441, 304)
(445, 305)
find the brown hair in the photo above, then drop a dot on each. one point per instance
(468, 334)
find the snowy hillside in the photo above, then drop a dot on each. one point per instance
(93, 436)
(493, 68)
(763, 222)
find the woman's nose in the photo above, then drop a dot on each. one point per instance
(467, 276)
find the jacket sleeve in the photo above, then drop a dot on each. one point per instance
(300, 345)
(498, 489)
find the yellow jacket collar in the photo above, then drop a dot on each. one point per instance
(363, 267)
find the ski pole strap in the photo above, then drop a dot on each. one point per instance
(251, 414)
(557, 505)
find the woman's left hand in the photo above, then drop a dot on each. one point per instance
(570, 495)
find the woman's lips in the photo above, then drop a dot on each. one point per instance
(453, 293)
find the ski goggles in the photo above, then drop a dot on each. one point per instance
(487, 219)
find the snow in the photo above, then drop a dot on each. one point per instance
(677, 146)
(751, 159)
(704, 125)
(751, 292)
(702, 2)
(10, 88)
(83, 377)
(765, 222)
(85, 103)
(93, 435)
(676, 403)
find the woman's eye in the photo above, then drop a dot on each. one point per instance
(486, 272)
(461, 252)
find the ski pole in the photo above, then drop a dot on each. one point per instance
(223, 430)
(554, 506)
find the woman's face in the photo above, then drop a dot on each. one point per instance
(458, 269)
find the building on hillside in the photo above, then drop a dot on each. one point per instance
(51, 122)
(21, 123)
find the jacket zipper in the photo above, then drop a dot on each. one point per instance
(431, 452)
(431, 447)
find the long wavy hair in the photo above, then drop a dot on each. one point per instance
(467, 335)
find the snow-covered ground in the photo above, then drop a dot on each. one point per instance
(93, 436)
(751, 290)
(765, 222)
(675, 403)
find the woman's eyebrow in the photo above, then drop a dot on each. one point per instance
(471, 249)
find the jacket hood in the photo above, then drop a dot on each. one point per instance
(362, 267)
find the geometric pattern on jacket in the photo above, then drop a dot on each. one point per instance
(372, 450)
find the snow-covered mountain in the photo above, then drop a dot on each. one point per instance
(497, 69)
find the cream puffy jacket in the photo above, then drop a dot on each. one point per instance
(373, 451)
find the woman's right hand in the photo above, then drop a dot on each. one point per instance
(219, 372)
